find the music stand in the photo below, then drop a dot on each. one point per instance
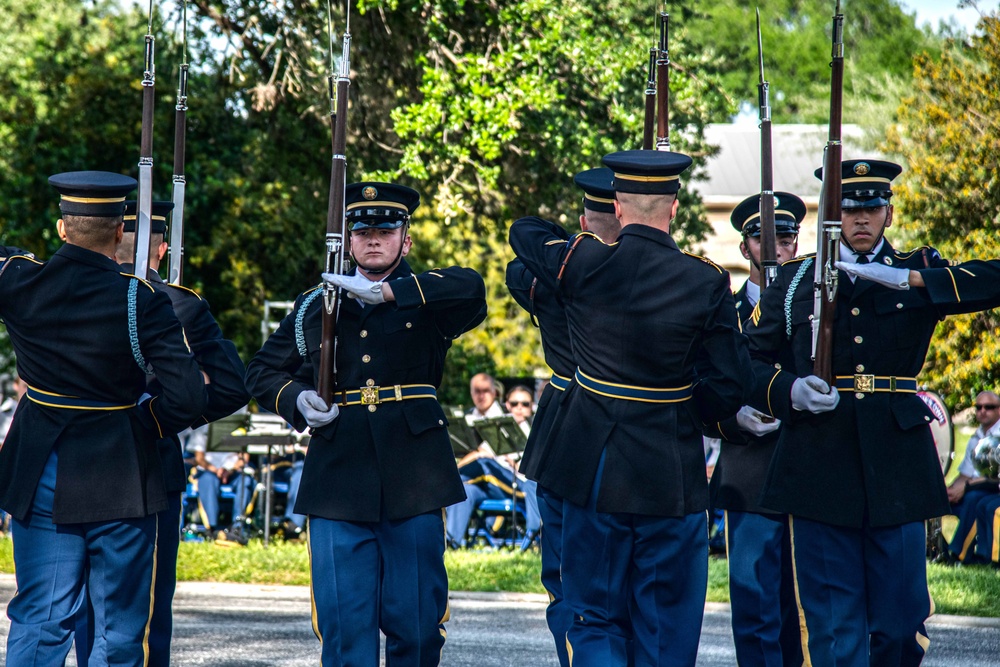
(504, 436)
(463, 438)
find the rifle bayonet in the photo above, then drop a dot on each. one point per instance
(175, 273)
(144, 208)
(663, 83)
(768, 238)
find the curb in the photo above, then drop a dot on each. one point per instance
(212, 589)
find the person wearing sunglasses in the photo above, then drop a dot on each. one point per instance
(970, 487)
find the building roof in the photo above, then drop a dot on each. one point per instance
(734, 173)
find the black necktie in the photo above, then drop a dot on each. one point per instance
(863, 259)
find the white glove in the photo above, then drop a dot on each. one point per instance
(814, 395)
(753, 421)
(878, 273)
(357, 286)
(314, 409)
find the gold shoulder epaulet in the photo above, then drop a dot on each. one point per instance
(312, 289)
(27, 257)
(907, 255)
(704, 259)
(144, 282)
(186, 289)
(800, 258)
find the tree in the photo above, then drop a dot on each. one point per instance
(879, 41)
(948, 137)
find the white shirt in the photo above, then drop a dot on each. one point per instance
(753, 293)
(848, 256)
(196, 440)
(967, 468)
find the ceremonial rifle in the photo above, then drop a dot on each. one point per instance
(663, 84)
(144, 211)
(176, 271)
(336, 214)
(768, 240)
(650, 118)
(828, 241)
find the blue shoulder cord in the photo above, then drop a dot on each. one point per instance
(300, 338)
(133, 329)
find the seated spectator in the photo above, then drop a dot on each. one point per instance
(488, 476)
(212, 470)
(970, 487)
(987, 548)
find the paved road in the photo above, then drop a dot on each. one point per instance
(231, 625)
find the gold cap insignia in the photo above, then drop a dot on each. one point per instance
(369, 193)
(776, 202)
(862, 168)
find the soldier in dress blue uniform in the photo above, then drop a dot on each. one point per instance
(626, 454)
(856, 468)
(761, 588)
(548, 315)
(220, 361)
(380, 466)
(79, 471)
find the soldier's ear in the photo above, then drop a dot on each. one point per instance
(888, 216)
(583, 222)
(744, 250)
(161, 250)
(618, 210)
(407, 244)
(61, 229)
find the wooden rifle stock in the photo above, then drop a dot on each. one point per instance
(335, 222)
(650, 118)
(768, 239)
(663, 85)
(828, 242)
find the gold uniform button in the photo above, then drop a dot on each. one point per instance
(440, 422)
(860, 368)
(409, 325)
(855, 311)
(370, 382)
(777, 366)
(364, 333)
(899, 306)
(366, 358)
(926, 418)
(372, 408)
(859, 340)
(858, 396)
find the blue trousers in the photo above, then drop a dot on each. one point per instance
(863, 593)
(209, 489)
(558, 615)
(627, 576)
(386, 575)
(113, 559)
(762, 590)
(988, 529)
(168, 536)
(963, 542)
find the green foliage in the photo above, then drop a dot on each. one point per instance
(880, 39)
(949, 195)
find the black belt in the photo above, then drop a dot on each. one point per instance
(633, 393)
(374, 395)
(559, 382)
(869, 384)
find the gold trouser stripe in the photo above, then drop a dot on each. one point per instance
(924, 641)
(969, 539)
(803, 626)
(725, 521)
(152, 594)
(312, 591)
(569, 650)
(996, 536)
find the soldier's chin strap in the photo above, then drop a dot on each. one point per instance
(878, 239)
(392, 267)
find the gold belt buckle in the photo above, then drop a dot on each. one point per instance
(864, 384)
(370, 396)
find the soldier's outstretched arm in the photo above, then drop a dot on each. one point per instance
(519, 281)
(968, 287)
(274, 374)
(542, 246)
(456, 296)
(161, 341)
